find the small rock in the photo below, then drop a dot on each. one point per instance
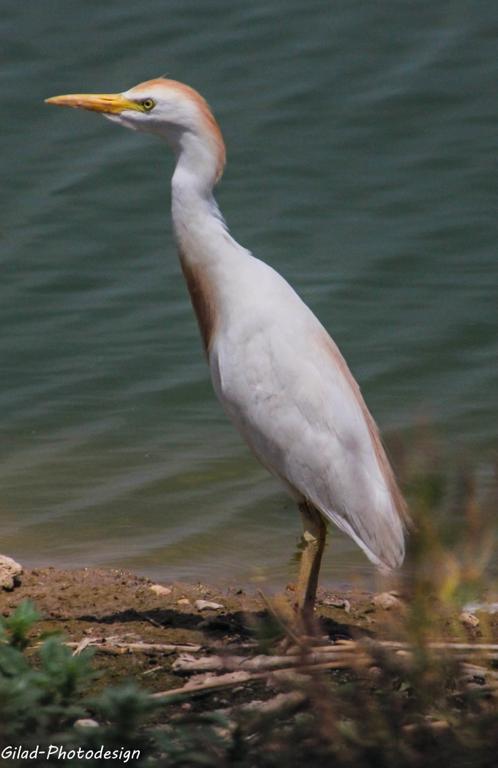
(338, 602)
(403, 654)
(438, 725)
(374, 672)
(206, 605)
(86, 722)
(183, 601)
(158, 589)
(387, 601)
(469, 619)
(10, 573)
(484, 607)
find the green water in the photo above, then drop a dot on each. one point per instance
(361, 164)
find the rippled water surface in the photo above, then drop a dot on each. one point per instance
(362, 164)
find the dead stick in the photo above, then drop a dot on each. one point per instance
(241, 676)
(280, 704)
(439, 645)
(117, 648)
(222, 681)
(187, 663)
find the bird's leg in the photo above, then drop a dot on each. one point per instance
(314, 534)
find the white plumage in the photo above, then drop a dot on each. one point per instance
(278, 374)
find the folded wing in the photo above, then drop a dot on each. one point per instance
(290, 393)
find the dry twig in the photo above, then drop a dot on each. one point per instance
(118, 647)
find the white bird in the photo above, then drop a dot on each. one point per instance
(278, 374)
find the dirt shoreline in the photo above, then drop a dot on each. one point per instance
(108, 605)
(98, 604)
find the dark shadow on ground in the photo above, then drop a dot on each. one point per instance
(243, 624)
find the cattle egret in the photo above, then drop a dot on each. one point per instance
(278, 374)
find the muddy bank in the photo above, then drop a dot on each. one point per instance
(117, 607)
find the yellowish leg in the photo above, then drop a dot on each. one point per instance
(314, 534)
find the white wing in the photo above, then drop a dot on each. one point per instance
(286, 387)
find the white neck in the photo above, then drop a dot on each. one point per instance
(209, 256)
(198, 224)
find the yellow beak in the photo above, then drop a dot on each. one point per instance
(110, 103)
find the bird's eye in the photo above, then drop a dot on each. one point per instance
(148, 104)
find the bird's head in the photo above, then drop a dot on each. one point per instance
(163, 107)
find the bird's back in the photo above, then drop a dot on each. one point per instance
(288, 390)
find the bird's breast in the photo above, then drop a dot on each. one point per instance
(203, 297)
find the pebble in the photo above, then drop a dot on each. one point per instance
(206, 605)
(158, 589)
(86, 722)
(469, 619)
(485, 607)
(183, 601)
(375, 673)
(10, 573)
(338, 602)
(387, 601)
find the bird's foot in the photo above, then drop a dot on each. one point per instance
(300, 629)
